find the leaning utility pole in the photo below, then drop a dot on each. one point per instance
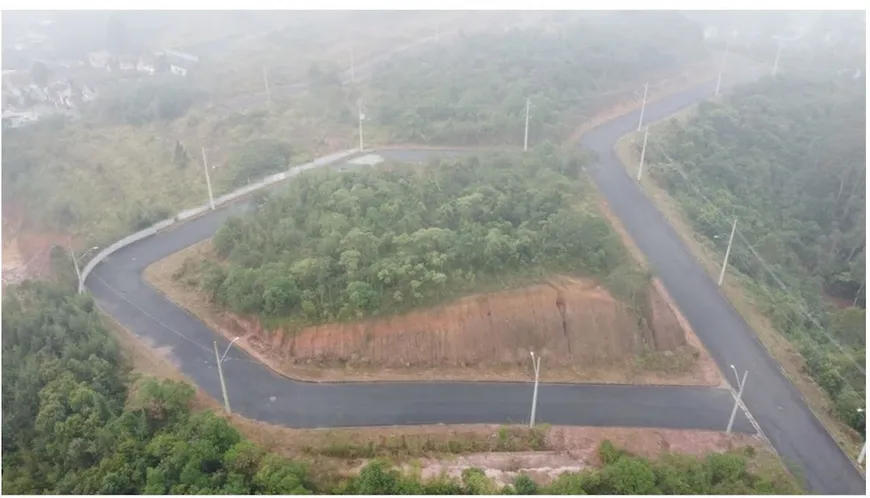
(207, 179)
(642, 154)
(722, 66)
(72, 254)
(727, 253)
(776, 60)
(221, 374)
(741, 384)
(268, 92)
(352, 72)
(536, 363)
(361, 117)
(526, 140)
(642, 106)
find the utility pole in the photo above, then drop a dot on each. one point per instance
(642, 106)
(727, 253)
(862, 454)
(722, 66)
(776, 60)
(526, 140)
(268, 92)
(220, 361)
(536, 363)
(741, 384)
(72, 254)
(361, 117)
(642, 154)
(352, 72)
(207, 179)
(858, 294)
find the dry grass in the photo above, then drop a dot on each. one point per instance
(785, 353)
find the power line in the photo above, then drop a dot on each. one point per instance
(796, 300)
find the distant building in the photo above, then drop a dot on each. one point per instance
(100, 60)
(179, 63)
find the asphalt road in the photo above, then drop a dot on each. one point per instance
(258, 393)
(771, 398)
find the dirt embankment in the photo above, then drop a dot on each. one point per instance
(581, 331)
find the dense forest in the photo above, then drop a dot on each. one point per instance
(75, 421)
(474, 90)
(786, 158)
(341, 246)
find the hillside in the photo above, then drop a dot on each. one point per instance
(454, 270)
(786, 158)
(75, 421)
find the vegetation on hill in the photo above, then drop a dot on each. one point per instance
(74, 423)
(474, 91)
(342, 246)
(786, 157)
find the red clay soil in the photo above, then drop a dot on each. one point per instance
(26, 254)
(583, 333)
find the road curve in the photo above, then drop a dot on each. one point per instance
(259, 393)
(771, 398)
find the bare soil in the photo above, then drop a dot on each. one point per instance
(482, 337)
(26, 254)
(785, 353)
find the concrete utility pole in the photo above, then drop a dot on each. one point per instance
(220, 361)
(722, 66)
(776, 60)
(268, 92)
(207, 179)
(741, 384)
(727, 253)
(536, 363)
(361, 117)
(642, 106)
(526, 140)
(642, 154)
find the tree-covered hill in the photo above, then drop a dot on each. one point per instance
(786, 157)
(474, 90)
(342, 246)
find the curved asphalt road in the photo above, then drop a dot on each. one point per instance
(260, 394)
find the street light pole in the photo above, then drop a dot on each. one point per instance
(207, 179)
(536, 363)
(722, 66)
(642, 106)
(727, 253)
(526, 140)
(741, 384)
(642, 154)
